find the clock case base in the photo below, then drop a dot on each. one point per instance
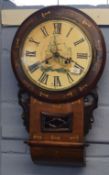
(63, 143)
(53, 155)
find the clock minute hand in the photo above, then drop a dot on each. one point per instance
(70, 59)
(66, 59)
(76, 65)
(35, 66)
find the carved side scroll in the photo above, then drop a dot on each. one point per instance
(24, 101)
(90, 103)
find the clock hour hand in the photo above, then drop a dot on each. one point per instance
(35, 66)
(68, 60)
(54, 46)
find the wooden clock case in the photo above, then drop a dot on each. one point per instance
(58, 122)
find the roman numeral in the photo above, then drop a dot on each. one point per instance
(31, 54)
(79, 42)
(82, 55)
(44, 31)
(79, 68)
(57, 28)
(33, 41)
(57, 81)
(33, 67)
(69, 31)
(70, 80)
(43, 78)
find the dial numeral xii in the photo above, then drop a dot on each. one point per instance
(57, 28)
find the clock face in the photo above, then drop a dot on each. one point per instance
(56, 55)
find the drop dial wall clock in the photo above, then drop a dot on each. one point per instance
(58, 55)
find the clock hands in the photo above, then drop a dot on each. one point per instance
(77, 69)
(60, 60)
(54, 46)
(55, 51)
(36, 65)
(67, 60)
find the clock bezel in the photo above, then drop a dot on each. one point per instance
(92, 32)
(73, 83)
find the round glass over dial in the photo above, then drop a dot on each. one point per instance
(56, 55)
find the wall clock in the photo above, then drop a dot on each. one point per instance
(58, 56)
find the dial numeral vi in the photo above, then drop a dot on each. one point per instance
(57, 81)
